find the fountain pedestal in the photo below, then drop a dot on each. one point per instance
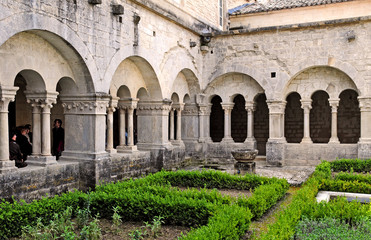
(245, 161)
(244, 167)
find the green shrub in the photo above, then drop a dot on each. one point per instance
(230, 222)
(357, 165)
(344, 186)
(352, 177)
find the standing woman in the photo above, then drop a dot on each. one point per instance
(58, 138)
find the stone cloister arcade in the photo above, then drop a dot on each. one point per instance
(321, 106)
(134, 104)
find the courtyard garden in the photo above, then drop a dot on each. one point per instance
(201, 205)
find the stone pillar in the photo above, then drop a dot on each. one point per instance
(122, 127)
(36, 128)
(306, 104)
(128, 105)
(172, 124)
(85, 118)
(227, 107)
(250, 139)
(178, 107)
(110, 110)
(41, 144)
(7, 94)
(179, 123)
(275, 147)
(364, 144)
(334, 103)
(204, 111)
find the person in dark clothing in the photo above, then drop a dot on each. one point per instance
(24, 143)
(28, 133)
(15, 152)
(58, 138)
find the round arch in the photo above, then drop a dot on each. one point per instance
(62, 38)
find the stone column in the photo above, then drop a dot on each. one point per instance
(7, 94)
(276, 120)
(250, 139)
(178, 107)
(85, 134)
(364, 144)
(227, 107)
(334, 103)
(110, 110)
(179, 123)
(46, 105)
(306, 104)
(128, 105)
(275, 147)
(204, 111)
(131, 108)
(122, 126)
(36, 128)
(172, 124)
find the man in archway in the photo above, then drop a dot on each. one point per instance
(24, 143)
(58, 138)
(15, 152)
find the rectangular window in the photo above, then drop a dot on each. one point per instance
(221, 12)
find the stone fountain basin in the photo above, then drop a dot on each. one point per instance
(244, 155)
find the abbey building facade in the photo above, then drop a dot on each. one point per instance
(141, 85)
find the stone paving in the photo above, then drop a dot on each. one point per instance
(295, 175)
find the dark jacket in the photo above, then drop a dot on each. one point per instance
(14, 151)
(24, 144)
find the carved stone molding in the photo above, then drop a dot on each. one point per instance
(88, 105)
(365, 104)
(190, 110)
(276, 106)
(306, 104)
(128, 104)
(204, 109)
(7, 95)
(154, 108)
(334, 103)
(250, 105)
(178, 106)
(112, 104)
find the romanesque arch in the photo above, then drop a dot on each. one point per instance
(216, 120)
(261, 123)
(239, 119)
(320, 118)
(294, 119)
(349, 117)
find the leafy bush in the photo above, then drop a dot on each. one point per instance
(229, 222)
(357, 165)
(344, 186)
(332, 228)
(352, 177)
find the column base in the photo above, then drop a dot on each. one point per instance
(251, 143)
(227, 140)
(306, 141)
(111, 150)
(364, 149)
(7, 166)
(179, 143)
(127, 149)
(334, 141)
(41, 160)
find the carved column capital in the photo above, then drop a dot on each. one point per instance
(365, 103)
(276, 106)
(178, 106)
(204, 109)
(128, 104)
(250, 106)
(306, 104)
(85, 105)
(227, 106)
(154, 107)
(334, 103)
(7, 95)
